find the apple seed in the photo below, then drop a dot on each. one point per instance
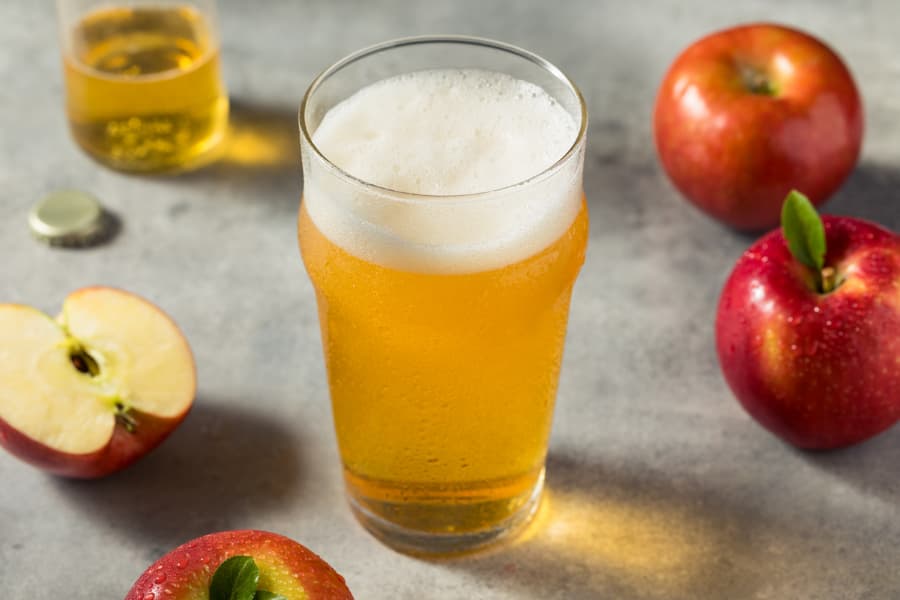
(83, 361)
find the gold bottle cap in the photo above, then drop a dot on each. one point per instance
(67, 218)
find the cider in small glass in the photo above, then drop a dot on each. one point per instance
(143, 87)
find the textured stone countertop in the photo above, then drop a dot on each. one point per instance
(660, 487)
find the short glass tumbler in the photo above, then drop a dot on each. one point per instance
(143, 88)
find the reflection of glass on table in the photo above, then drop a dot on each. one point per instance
(443, 225)
(143, 87)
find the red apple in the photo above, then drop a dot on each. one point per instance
(93, 391)
(206, 569)
(815, 356)
(746, 114)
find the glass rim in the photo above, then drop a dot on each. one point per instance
(205, 9)
(445, 39)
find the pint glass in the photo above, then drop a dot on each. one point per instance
(443, 289)
(143, 88)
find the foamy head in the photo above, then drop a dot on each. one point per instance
(440, 133)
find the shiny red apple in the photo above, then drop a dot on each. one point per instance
(240, 565)
(94, 390)
(815, 356)
(746, 114)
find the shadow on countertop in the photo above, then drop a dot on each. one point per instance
(260, 157)
(606, 534)
(606, 531)
(643, 198)
(872, 192)
(871, 466)
(222, 468)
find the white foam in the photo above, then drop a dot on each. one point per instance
(445, 133)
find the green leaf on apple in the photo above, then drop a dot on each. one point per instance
(235, 579)
(805, 235)
(803, 230)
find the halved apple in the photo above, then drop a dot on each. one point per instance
(93, 391)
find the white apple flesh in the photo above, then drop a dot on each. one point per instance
(97, 389)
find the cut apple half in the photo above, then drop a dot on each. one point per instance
(96, 389)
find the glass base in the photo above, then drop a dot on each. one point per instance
(444, 544)
(214, 150)
(181, 159)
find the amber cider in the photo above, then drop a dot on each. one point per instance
(443, 315)
(143, 88)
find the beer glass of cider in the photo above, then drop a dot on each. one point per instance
(443, 224)
(143, 88)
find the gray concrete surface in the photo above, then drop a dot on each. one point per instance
(660, 487)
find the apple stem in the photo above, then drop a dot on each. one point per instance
(827, 280)
(756, 81)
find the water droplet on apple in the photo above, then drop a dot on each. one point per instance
(149, 596)
(161, 578)
(794, 348)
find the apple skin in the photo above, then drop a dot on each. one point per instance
(185, 572)
(734, 153)
(123, 449)
(818, 370)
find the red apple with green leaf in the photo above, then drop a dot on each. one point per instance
(808, 328)
(240, 565)
(91, 392)
(746, 114)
